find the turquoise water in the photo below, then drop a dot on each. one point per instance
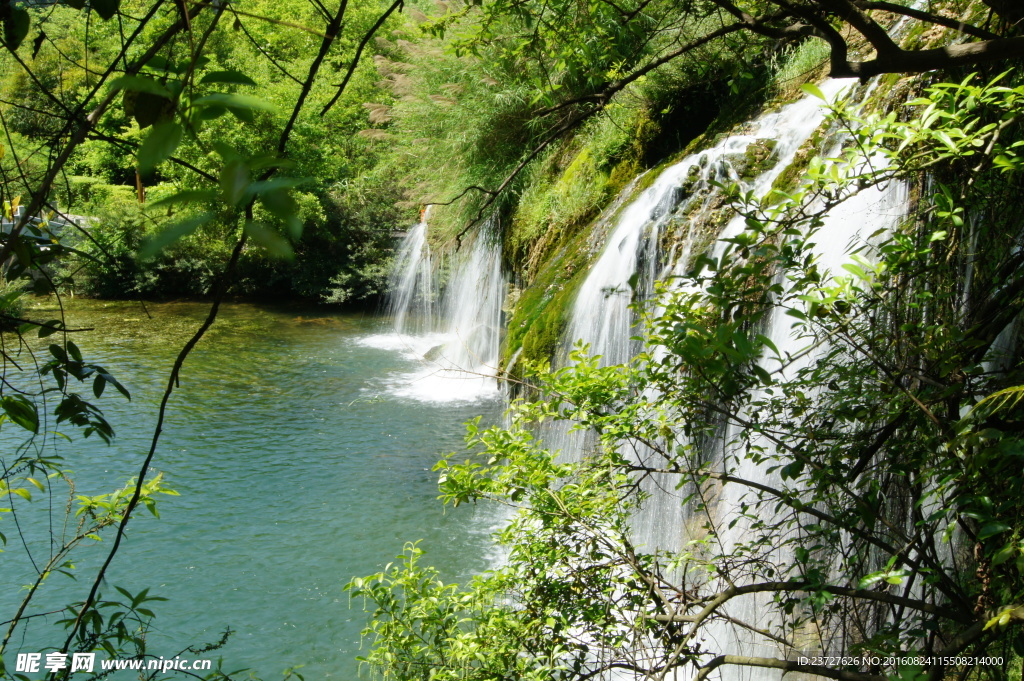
(302, 461)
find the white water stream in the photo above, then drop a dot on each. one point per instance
(452, 328)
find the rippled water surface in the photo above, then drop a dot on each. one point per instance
(303, 459)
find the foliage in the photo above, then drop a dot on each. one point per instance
(843, 442)
(217, 115)
(189, 150)
(551, 67)
(483, 99)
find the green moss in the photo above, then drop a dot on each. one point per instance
(550, 236)
(575, 182)
(757, 158)
(541, 311)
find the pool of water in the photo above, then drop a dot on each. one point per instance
(302, 460)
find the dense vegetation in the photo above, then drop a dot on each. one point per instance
(271, 149)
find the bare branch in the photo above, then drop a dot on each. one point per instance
(785, 665)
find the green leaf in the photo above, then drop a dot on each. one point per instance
(150, 108)
(814, 91)
(201, 196)
(226, 151)
(762, 374)
(281, 205)
(234, 101)
(117, 384)
(105, 8)
(263, 162)
(58, 352)
(38, 43)
(21, 411)
(171, 234)
(276, 183)
(244, 115)
(767, 342)
(271, 240)
(52, 327)
(140, 84)
(229, 77)
(855, 270)
(159, 144)
(16, 27)
(1004, 554)
(161, 64)
(234, 180)
(209, 113)
(991, 530)
(73, 350)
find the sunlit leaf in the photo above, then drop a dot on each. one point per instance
(234, 179)
(159, 144)
(172, 234)
(234, 101)
(271, 240)
(814, 91)
(200, 196)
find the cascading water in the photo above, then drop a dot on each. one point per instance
(631, 262)
(412, 283)
(870, 210)
(454, 330)
(687, 193)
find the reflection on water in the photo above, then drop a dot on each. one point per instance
(300, 463)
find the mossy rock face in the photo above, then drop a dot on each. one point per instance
(539, 313)
(544, 335)
(754, 160)
(690, 181)
(622, 174)
(757, 158)
(556, 232)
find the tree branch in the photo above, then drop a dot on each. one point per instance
(785, 665)
(396, 5)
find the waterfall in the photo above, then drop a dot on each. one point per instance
(685, 199)
(632, 261)
(846, 229)
(451, 330)
(412, 282)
